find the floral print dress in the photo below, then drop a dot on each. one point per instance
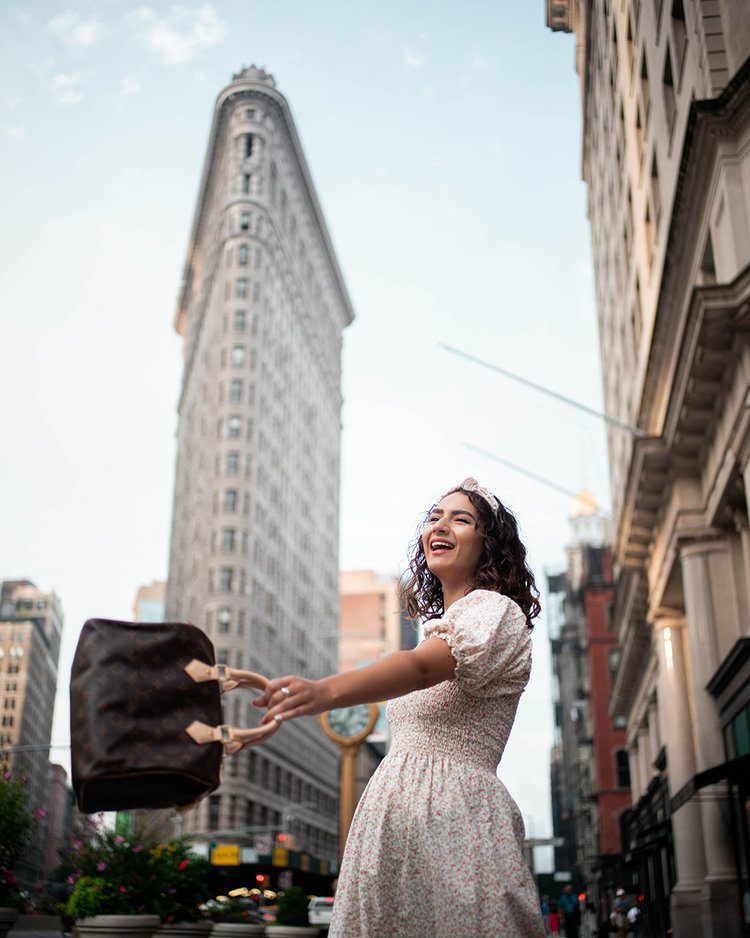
(435, 846)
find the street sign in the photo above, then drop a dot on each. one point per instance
(262, 843)
(226, 855)
(248, 855)
(280, 856)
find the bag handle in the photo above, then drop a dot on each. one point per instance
(230, 678)
(233, 738)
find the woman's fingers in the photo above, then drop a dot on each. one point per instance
(273, 686)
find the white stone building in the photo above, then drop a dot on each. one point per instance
(254, 549)
(665, 88)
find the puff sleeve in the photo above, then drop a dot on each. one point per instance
(490, 642)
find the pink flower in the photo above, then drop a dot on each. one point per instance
(137, 848)
(172, 891)
(70, 880)
(119, 839)
(41, 813)
(123, 889)
(101, 867)
(7, 776)
(184, 864)
(77, 844)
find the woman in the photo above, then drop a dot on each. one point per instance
(435, 847)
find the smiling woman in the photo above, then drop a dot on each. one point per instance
(435, 820)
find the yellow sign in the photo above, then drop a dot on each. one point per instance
(304, 862)
(226, 855)
(280, 856)
(324, 867)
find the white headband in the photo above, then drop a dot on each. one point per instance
(471, 485)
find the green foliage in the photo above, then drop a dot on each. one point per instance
(87, 898)
(119, 877)
(293, 908)
(15, 826)
(15, 819)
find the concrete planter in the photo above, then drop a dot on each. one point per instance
(184, 930)
(7, 920)
(237, 930)
(37, 926)
(118, 926)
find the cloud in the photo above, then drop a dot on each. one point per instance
(15, 132)
(129, 84)
(179, 36)
(73, 31)
(411, 59)
(478, 61)
(65, 89)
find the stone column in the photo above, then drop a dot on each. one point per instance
(705, 607)
(677, 734)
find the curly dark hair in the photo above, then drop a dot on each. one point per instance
(502, 566)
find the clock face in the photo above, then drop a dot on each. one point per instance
(349, 721)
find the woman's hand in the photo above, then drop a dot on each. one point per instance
(292, 696)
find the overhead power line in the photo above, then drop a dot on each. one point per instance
(612, 421)
(536, 478)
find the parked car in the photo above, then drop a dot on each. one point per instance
(320, 910)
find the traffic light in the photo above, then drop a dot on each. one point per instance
(263, 880)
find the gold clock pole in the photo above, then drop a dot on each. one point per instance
(347, 793)
(349, 737)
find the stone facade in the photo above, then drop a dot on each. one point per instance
(254, 547)
(666, 157)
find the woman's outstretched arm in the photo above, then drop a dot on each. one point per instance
(394, 675)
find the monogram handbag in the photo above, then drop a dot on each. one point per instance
(145, 715)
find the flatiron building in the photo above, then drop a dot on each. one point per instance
(254, 541)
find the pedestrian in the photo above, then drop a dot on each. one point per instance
(620, 913)
(554, 919)
(571, 911)
(436, 844)
(634, 921)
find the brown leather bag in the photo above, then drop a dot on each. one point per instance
(145, 715)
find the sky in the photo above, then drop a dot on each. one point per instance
(444, 143)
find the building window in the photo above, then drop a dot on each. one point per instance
(233, 463)
(240, 288)
(226, 579)
(670, 105)
(645, 90)
(230, 501)
(246, 184)
(249, 144)
(614, 656)
(250, 114)
(242, 252)
(213, 811)
(235, 390)
(679, 36)
(623, 769)
(224, 619)
(245, 221)
(240, 319)
(655, 191)
(233, 426)
(238, 356)
(228, 540)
